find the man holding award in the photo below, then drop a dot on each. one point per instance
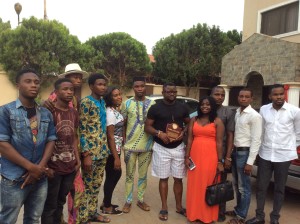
(166, 121)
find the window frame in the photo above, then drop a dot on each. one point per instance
(259, 18)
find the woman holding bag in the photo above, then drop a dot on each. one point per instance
(204, 147)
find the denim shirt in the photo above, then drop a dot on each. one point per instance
(15, 129)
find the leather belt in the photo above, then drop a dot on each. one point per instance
(242, 148)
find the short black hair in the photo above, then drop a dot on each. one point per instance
(213, 108)
(93, 77)
(60, 81)
(168, 84)
(23, 71)
(215, 88)
(108, 95)
(139, 78)
(248, 90)
(275, 86)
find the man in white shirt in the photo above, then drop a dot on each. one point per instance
(247, 140)
(281, 136)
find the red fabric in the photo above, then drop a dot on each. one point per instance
(204, 155)
(286, 91)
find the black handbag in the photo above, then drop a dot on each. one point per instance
(219, 192)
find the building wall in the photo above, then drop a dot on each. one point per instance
(251, 8)
(8, 92)
(276, 60)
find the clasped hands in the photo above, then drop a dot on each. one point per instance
(164, 137)
(34, 173)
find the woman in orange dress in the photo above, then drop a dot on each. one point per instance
(204, 147)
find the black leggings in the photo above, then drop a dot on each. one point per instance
(112, 177)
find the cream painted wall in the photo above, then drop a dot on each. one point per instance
(251, 8)
(8, 91)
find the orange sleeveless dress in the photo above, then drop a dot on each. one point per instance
(204, 154)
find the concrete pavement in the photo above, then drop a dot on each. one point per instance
(289, 215)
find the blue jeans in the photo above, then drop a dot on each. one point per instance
(33, 197)
(241, 183)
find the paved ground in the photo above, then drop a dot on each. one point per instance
(290, 212)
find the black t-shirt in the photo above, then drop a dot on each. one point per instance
(163, 114)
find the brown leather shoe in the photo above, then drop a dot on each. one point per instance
(143, 206)
(126, 207)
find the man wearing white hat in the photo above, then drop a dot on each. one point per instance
(75, 74)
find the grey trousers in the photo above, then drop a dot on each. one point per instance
(264, 175)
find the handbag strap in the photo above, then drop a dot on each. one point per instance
(216, 177)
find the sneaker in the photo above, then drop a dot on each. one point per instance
(114, 211)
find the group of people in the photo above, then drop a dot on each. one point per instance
(63, 148)
(219, 139)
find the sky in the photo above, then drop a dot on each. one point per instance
(146, 21)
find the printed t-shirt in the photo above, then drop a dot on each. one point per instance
(63, 159)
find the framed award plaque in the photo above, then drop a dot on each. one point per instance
(173, 131)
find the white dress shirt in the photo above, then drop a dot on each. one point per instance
(248, 129)
(281, 133)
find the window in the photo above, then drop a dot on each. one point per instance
(280, 20)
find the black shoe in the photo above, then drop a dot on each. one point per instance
(221, 218)
(114, 206)
(274, 222)
(255, 221)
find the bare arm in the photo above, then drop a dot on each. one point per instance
(112, 146)
(152, 131)
(47, 153)
(219, 139)
(76, 151)
(229, 139)
(190, 139)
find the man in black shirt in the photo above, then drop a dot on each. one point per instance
(165, 121)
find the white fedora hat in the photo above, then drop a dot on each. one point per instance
(73, 68)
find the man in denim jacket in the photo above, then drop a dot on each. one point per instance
(27, 137)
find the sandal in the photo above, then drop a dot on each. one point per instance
(236, 221)
(230, 213)
(182, 211)
(143, 206)
(163, 215)
(127, 207)
(99, 218)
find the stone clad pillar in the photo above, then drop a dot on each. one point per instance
(293, 93)
(227, 90)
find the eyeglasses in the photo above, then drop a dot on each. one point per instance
(169, 92)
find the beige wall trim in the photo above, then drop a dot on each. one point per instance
(259, 12)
